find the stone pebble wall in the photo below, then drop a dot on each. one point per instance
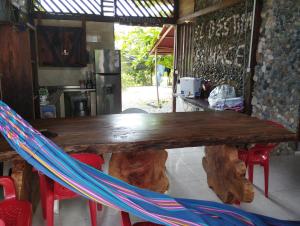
(276, 92)
(221, 44)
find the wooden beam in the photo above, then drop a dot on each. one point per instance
(222, 5)
(158, 104)
(175, 72)
(176, 9)
(249, 84)
(142, 21)
(160, 39)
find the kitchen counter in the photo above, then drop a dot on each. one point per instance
(57, 97)
(198, 102)
(76, 89)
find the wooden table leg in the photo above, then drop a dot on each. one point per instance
(26, 182)
(226, 174)
(144, 169)
(22, 173)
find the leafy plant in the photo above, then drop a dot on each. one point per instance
(137, 63)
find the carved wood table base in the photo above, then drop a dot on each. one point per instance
(226, 174)
(26, 182)
(144, 169)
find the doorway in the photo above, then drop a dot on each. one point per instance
(146, 70)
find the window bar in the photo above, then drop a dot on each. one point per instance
(95, 6)
(165, 9)
(171, 3)
(124, 8)
(159, 3)
(115, 7)
(128, 8)
(132, 8)
(138, 8)
(149, 7)
(92, 11)
(157, 14)
(55, 5)
(52, 10)
(71, 6)
(168, 7)
(38, 4)
(119, 11)
(62, 2)
(75, 3)
(145, 8)
(157, 7)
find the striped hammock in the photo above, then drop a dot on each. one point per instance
(51, 160)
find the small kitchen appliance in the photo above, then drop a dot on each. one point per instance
(190, 87)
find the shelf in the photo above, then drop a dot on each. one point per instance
(199, 102)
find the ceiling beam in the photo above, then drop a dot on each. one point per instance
(222, 5)
(130, 20)
(160, 39)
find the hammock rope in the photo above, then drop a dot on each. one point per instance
(52, 161)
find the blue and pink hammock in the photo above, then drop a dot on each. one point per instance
(51, 160)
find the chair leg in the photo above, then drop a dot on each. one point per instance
(93, 212)
(237, 202)
(250, 172)
(56, 206)
(43, 198)
(125, 219)
(50, 210)
(266, 173)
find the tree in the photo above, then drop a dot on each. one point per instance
(137, 63)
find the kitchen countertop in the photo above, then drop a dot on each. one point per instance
(199, 102)
(76, 89)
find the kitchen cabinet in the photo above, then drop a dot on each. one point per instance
(16, 70)
(61, 46)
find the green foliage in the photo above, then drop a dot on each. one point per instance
(137, 63)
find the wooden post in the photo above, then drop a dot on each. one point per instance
(175, 72)
(249, 84)
(157, 93)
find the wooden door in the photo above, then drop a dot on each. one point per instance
(16, 70)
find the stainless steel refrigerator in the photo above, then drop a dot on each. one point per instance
(108, 81)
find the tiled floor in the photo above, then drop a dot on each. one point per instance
(188, 179)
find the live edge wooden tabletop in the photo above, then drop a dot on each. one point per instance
(134, 132)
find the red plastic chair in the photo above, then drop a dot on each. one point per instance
(259, 155)
(125, 221)
(13, 212)
(51, 190)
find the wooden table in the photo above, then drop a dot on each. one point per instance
(123, 132)
(140, 132)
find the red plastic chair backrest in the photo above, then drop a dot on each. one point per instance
(90, 159)
(275, 124)
(9, 189)
(2, 223)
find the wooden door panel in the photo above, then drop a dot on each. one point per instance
(15, 65)
(61, 46)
